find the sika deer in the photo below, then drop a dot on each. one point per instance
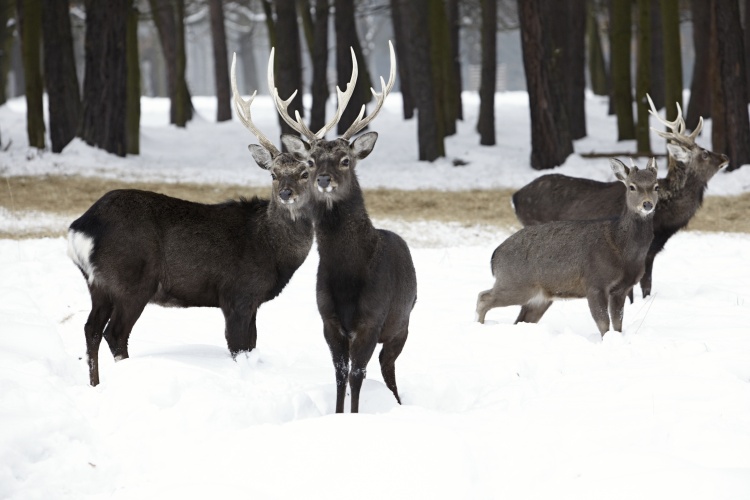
(598, 259)
(367, 284)
(138, 247)
(559, 197)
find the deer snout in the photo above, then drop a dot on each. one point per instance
(324, 183)
(285, 194)
(648, 206)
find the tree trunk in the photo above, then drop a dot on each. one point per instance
(643, 76)
(30, 22)
(597, 65)
(575, 68)
(104, 84)
(7, 11)
(732, 111)
(169, 19)
(746, 32)
(346, 37)
(431, 144)
(63, 97)
(288, 60)
(402, 38)
(133, 92)
(247, 60)
(442, 68)
(308, 25)
(454, 23)
(486, 123)
(270, 23)
(551, 142)
(657, 85)
(221, 68)
(700, 88)
(670, 18)
(319, 66)
(621, 77)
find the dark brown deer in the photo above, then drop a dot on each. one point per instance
(559, 197)
(367, 284)
(138, 247)
(598, 259)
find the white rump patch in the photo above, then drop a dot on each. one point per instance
(80, 246)
(539, 299)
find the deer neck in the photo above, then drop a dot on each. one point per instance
(632, 232)
(344, 225)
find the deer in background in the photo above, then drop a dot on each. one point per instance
(138, 247)
(559, 197)
(366, 284)
(598, 259)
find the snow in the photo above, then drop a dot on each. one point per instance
(547, 410)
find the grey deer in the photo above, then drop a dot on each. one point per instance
(138, 247)
(559, 197)
(598, 259)
(366, 284)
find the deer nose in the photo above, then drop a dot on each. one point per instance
(647, 205)
(324, 180)
(285, 194)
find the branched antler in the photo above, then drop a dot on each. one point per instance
(243, 112)
(677, 126)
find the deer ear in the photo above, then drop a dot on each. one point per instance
(652, 166)
(295, 145)
(679, 153)
(261, 156)
(619, 168)
(362, 145)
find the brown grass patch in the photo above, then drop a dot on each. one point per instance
(72, 195)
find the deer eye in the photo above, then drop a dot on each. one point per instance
(305, 175)
(632, 187)
(310, 163)
(704, 154)
(656, 187)
(273, 176)
(345, 161)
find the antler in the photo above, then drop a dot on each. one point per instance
(677, 126)
(243, 112)
(360, 123)
(298, 124)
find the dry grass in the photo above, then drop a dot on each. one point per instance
(72, 195)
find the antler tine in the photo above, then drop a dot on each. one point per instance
(677, 126)
(697, 130)
(674, 125)
(282, 105)
(360, 123)
(243, 112)
(342, 98)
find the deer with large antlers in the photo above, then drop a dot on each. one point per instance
(367, 284)
(559, 197)
(139, 247)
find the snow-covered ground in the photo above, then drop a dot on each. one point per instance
(548, 410)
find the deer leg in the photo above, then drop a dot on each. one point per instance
(616, 308)
(490, 299)
(646, 278)
(239, 324)
(101, 310)
(338, 344)
(364, 341)
(120, 325)
(598, 306)
(389, 353)
(533, 312)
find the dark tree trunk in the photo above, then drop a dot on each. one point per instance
(551, 142)
(431, 144)
(169, 19)
(30, 22)
(319, 66)
(454, 23)
(643, 76)
(308, 25)
(104, 84)
(221, 68)
(746, 32)
(270, 23)
(288, 59)
(442, 68)
(486, 123)
(7, 12)
(346, 37)
(402, 38)
(63, 97)
(670, 18)
(133, 93)
(621, 76)
(247, 58)
(700, 88)
(657, 85)
(597, 65)
(732, 110)
(575, 68)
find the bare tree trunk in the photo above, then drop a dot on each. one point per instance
(104, 84)
(221, 68)
(63, 97)
(643, 76)
(402, 36)
(700, 88)
(746, 31)
(133, 92)
(319, 66)
(731, 113)
(7, 12)
(657, 85)
(576, 67)
(30, 22)
(346, 36)
(597, 65)
(247, 58)
(308, 25)
(454, 23)
(621, 76)
(442, 68)
(288, 59)
(486, 123)
(270, 23)
(670, 17)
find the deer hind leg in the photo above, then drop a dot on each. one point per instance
(503, 297)
(101, 310)
(532, 312)
(362, 346)
(598, 306)
(391, 350)
(617, 307)
(646, 279)
(117, 333)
